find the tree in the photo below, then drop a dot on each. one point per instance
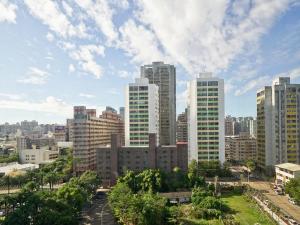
(198, 194)
(131, 180)
(150, 180)
(250, 164)
(293, 189)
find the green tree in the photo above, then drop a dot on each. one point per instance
(292, 188)
(250, 164)
(150, 180)
(198, 194)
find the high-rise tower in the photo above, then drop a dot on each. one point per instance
(164, 76)
(141, 112)
(278, 123)
(206, 119)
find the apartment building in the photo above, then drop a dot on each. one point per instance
(141, 112)
(182, 127)
(278, 123)
(164, 76)
(240, 148)
(206, 119)
(91, 132)
(113, 161)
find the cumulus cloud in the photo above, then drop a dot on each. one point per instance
(35, 76)
(51, 15)
(71, 68)
(85, 55)
(11, 96)
(48, 105)
(67, 8)
(7, 12)
(199, 35)
(86, 95)
(102, 14)
(140, 43)
(50, 37)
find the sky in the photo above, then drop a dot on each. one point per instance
(55, 54)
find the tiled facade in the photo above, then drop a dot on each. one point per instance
(113, 161)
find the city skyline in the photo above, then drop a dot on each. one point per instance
(71, 54)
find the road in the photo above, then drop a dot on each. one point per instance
(99, 213)
(280, 201)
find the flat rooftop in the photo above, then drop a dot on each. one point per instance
(289, 166)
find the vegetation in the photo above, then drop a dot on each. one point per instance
(246, 211)
(292, 188)
(9, 158)
(34, 205)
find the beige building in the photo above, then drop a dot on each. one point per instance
(182, 127)
(240, 148)
(286, 171)
(38, 156)
(91, 132)
(278, 123)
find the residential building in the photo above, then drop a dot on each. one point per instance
(265, 155)
(91, 132)
(113, 161)
(285, 172)
(38, 156)
(206, 119)
(164, 76)
(253, 127)
(122, 112)
(182, 127)
(13, 167)
(240, 148)
(229, 126)
(141, 112)
(59, 133)
(278, 125)
(69, 130)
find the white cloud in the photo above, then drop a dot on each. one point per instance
(67, 8)
(199, 35)
(35, 76)
(102, 14)
(50, 14)
(139, 43)
(71, 68)
(86, 95)
(256, 83)
(11, 96)
(49, 105)
(85, 55)
(50, 37)
(123, 74)
(113, 91)
(7, 12)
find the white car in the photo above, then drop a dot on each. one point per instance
(292, 201)
(292, 222)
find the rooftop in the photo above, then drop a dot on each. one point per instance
(289, 166)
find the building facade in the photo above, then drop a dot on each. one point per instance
(164, 76)
(285, 172)
(91, 132)
(141, 112)
(229, 126)
(115, 160)
(206, 119)
(240, 148)
(182, 127)
(279, 122)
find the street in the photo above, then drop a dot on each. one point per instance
(99, 213)
(280, 201)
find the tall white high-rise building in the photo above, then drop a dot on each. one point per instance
(141, 112)
(206, 119)
(278, 123)
(164, 76)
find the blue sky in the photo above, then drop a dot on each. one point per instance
(55, 54)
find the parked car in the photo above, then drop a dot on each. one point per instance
(292, 222)
(292, 201)
(279, 192)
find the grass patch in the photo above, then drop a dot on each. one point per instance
(245, 211)
(201, 222)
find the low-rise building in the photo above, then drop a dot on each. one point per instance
(240, 148)
(286, 171)
(38, 156)
(112, 161)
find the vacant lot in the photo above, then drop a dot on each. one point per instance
(246, 212)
